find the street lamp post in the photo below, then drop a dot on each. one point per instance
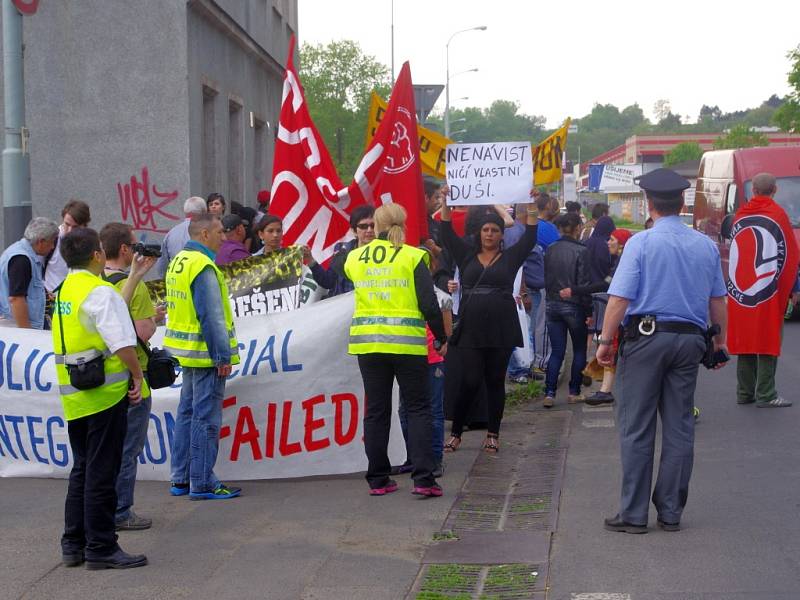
(447, 76)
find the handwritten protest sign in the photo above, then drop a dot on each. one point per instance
(493, 173)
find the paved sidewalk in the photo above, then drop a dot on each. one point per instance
(315, 538)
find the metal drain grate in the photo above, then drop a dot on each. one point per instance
(449, 581)
(510, 582)
(468, 582)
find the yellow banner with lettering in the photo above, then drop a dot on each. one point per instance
(547, 156)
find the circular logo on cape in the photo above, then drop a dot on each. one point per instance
(757, 256)
(401, 154)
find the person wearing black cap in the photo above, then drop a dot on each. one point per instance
(488, 328)
(233, 248)
(666, 288)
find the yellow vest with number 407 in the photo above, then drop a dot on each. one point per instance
(386, 318)
(184, 337)
(77, 339)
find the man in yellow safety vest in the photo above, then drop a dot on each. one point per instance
(98, 376)
(201, 336)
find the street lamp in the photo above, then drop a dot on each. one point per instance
(447, 76)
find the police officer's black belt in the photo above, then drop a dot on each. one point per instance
(486, 289)
(645, 325)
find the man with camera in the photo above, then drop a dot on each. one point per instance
(127, 262)
(99, 375)
(666, 286)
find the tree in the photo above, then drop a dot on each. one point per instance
(338, 79)
(501, 122)
(709, 113)
(683, 152)
(661, 109)
(787, 116)
(740, 136)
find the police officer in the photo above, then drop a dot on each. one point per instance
(201, 336)
(394, 297)
(668, 281)
(98, 375)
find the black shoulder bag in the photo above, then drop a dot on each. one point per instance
(458, 326)
(87, 370)
(161, 364)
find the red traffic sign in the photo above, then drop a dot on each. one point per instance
(26, 7)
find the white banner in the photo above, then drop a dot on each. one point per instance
(618, 179)
(293, 407)
(494, 173)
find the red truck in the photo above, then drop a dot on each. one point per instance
(724, 183)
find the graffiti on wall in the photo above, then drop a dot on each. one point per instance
(144, 206)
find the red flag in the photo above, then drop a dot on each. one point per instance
(306, 190)
(391, 168)
(761, 274)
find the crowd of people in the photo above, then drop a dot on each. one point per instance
(445, 326)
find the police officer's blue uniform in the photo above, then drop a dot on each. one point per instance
(668, 274)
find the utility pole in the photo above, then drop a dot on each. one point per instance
(16, 159)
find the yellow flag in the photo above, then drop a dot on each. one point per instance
(547, 156)
(431, 143)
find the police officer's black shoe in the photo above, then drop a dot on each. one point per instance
(616, 523)
(668, 526)
(119, 560)
(72, 559)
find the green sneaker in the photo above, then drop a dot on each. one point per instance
(221, 492)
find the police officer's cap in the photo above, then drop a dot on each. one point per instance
(662, 182)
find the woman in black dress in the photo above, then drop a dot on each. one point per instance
(488, 328)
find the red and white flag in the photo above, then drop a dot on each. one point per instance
(306, 190)
(391, 170)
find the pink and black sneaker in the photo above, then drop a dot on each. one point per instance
(433, 491)
(391, 486)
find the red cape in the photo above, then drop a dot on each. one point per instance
(761, 275)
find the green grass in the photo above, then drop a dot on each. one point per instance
(511, 579)
(519, 394)
(444, 536)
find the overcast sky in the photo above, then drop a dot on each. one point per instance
(558, 59)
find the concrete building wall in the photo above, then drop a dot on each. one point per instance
(114, 101)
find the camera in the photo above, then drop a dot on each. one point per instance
(147, 249)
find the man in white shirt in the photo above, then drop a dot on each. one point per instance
(91, 323)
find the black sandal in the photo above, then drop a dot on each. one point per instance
(451, 445)
(490, 445)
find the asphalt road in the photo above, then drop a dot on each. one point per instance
(741, 526)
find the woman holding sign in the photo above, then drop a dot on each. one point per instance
(488, 329)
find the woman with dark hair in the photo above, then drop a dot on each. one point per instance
(362, 222)
(566, 268)
(488, 328)
(270, 232)
(597, 245)
(215, 203)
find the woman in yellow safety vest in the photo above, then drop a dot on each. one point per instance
(394, 298)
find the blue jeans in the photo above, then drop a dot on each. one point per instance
(196, 438)
(563, 318)
(436, 382)
(135, 437)
(514, 368)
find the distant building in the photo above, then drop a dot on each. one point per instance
(135, 106)
(649, 152)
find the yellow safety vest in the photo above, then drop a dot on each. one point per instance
(81, 403)
(184, 337)
(387, 318)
